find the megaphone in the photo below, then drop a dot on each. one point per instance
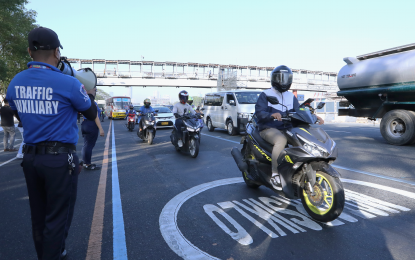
(85, 75)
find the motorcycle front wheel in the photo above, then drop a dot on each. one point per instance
(150, 137)
(193, 147)
(328, 200)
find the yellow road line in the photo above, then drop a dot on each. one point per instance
(95, 237)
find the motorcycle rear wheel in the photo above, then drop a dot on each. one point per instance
(193, 147)
(328, 202)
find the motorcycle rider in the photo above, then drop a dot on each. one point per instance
(131, 111)
(178, 110)
(144, 110)
(281, 80)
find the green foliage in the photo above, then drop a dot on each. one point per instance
(15, 24)
(102, 95)
(197, 101)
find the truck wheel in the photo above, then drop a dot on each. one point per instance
(398, 127)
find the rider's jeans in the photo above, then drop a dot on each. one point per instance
(278, 139)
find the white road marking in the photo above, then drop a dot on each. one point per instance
(229, 205)
(8, 161)
(338, 131)
(340, 167)
(265, 210)
(168, 221)
(374, 175)
(241, 236)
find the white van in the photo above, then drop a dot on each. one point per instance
(230, 110)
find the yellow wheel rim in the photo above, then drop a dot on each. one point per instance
(324, 193)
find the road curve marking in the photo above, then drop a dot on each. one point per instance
(168, 221)
(184, 248)
(95, 237)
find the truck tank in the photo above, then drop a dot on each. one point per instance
(368, 80)
(382, 85)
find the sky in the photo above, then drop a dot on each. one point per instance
(312, 35)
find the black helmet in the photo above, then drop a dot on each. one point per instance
(131, 107)
(281, 78)
(183, 96)
(147, 102)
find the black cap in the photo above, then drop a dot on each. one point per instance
(43, 38)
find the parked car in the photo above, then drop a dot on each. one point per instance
(170, 107)
(165, 117)
(230, 110)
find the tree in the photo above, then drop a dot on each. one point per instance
(102, 95)
(15, 24)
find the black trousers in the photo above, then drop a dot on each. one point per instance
(179, 123)
(52, 195)
(90, 134)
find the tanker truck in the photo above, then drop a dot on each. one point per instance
(382, 85)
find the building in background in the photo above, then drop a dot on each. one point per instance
(158, 100)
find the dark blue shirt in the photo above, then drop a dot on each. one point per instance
(263, 112)
(47, 102)
(145, 110)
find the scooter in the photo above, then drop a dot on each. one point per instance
(130, 122)
(191, 134)
(149, 127)
(304, 166)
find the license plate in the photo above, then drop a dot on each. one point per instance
(164, 123)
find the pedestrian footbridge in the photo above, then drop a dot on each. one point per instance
(198, 75)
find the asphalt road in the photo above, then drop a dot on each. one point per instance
(157, 203)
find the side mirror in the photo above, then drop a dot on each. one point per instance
(202, 108)
(232, 102)
(321, 105)
(273, 100)
(185, 110)
(157, 110)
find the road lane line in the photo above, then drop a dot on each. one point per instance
(119, 245)
(95, 237)
(374, 175)
(340, 167)
(221, 138)
(8, 161)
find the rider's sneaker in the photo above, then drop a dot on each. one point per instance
(180, 143)
(276, 181)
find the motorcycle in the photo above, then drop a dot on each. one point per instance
(304, 166)
(130, 122)
(149, 127)
(191, 134)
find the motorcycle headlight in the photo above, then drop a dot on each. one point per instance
(313, 148)
(190, 129)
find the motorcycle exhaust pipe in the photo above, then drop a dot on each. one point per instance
(238, 157)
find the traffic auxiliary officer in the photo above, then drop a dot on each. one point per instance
(90, 134)
(47, 101)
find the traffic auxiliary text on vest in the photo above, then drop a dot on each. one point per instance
(35, 100)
